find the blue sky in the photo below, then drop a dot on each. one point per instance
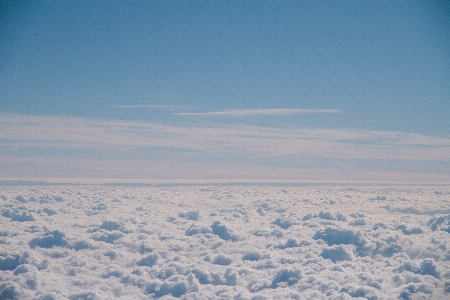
(303, 89)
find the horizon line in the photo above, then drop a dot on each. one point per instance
(199, 181)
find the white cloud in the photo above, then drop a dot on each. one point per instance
(149, 106)
(141, 245)
(259, 112)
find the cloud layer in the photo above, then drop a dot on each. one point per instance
(206, 242)
(241, 151)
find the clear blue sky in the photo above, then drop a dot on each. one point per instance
(381, 66)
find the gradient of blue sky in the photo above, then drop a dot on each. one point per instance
(379, 66)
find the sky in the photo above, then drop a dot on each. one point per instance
(254, 90)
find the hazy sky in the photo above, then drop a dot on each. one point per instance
(342, 90)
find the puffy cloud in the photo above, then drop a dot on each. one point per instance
(419, 290)
(427, 267)
(326, 215)
(440, 223)
(253, 256)
(291, 243)
(80, 245)
(337, 236)
(356, 291)
(337, 253)
(85, 295)
(18, 215)
(190, 215)
(222, 231)
(49, 240)
(284, 223)
(11, 261)
(405, 231)
(148, 260)
(286, 276)
(222, 260)
(9, 290)
(175, 286)
(107, 236)
(195, 229)
(49, 211)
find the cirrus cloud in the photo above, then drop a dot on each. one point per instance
(259, 112)
(33, 144)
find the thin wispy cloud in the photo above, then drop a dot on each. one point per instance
(259, 112)
(26, 131)
(157, 106)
